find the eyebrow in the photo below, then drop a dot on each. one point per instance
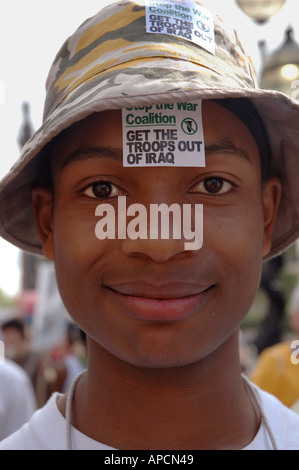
(85, 152)
(228, 148)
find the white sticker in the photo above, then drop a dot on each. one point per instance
(183, 19)
(163, 135)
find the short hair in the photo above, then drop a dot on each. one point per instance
(245, 110)
(15, 324)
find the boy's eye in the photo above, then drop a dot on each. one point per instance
(212, 185)
(102, 189)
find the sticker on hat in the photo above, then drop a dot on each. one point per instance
(164, 135)
(182, 19)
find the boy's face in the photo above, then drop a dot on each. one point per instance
(150, 302)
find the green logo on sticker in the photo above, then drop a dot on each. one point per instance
(189, 126)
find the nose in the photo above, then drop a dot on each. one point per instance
(158, 250)
(161, 233)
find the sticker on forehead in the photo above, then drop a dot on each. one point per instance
(183, 19)
(163, 135)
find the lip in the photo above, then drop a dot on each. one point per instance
(164, 303)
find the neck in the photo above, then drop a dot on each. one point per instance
(176, 408)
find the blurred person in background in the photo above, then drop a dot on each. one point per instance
(74, 351)
(70, 356)
(47, 375)
(18, 349)
(274, 370)
(17, 398)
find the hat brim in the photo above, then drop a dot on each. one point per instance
(161, 80)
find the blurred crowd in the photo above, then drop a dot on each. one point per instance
(28, 377)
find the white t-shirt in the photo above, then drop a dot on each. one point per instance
(47, 430)
(17, 398)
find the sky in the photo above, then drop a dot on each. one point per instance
(32, 32)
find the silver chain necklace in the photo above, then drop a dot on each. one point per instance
(254, 392)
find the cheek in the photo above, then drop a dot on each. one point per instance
(77, 250)
(236, 230)
(74, 233)
(232, 252)
(235, 237)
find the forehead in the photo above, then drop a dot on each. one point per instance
(105, 129)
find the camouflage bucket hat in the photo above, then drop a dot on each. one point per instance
(112, 61)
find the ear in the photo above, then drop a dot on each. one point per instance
(42, 204)
(272, 189)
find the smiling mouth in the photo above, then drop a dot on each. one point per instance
(171, 302)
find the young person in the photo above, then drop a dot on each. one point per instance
(133, 98)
